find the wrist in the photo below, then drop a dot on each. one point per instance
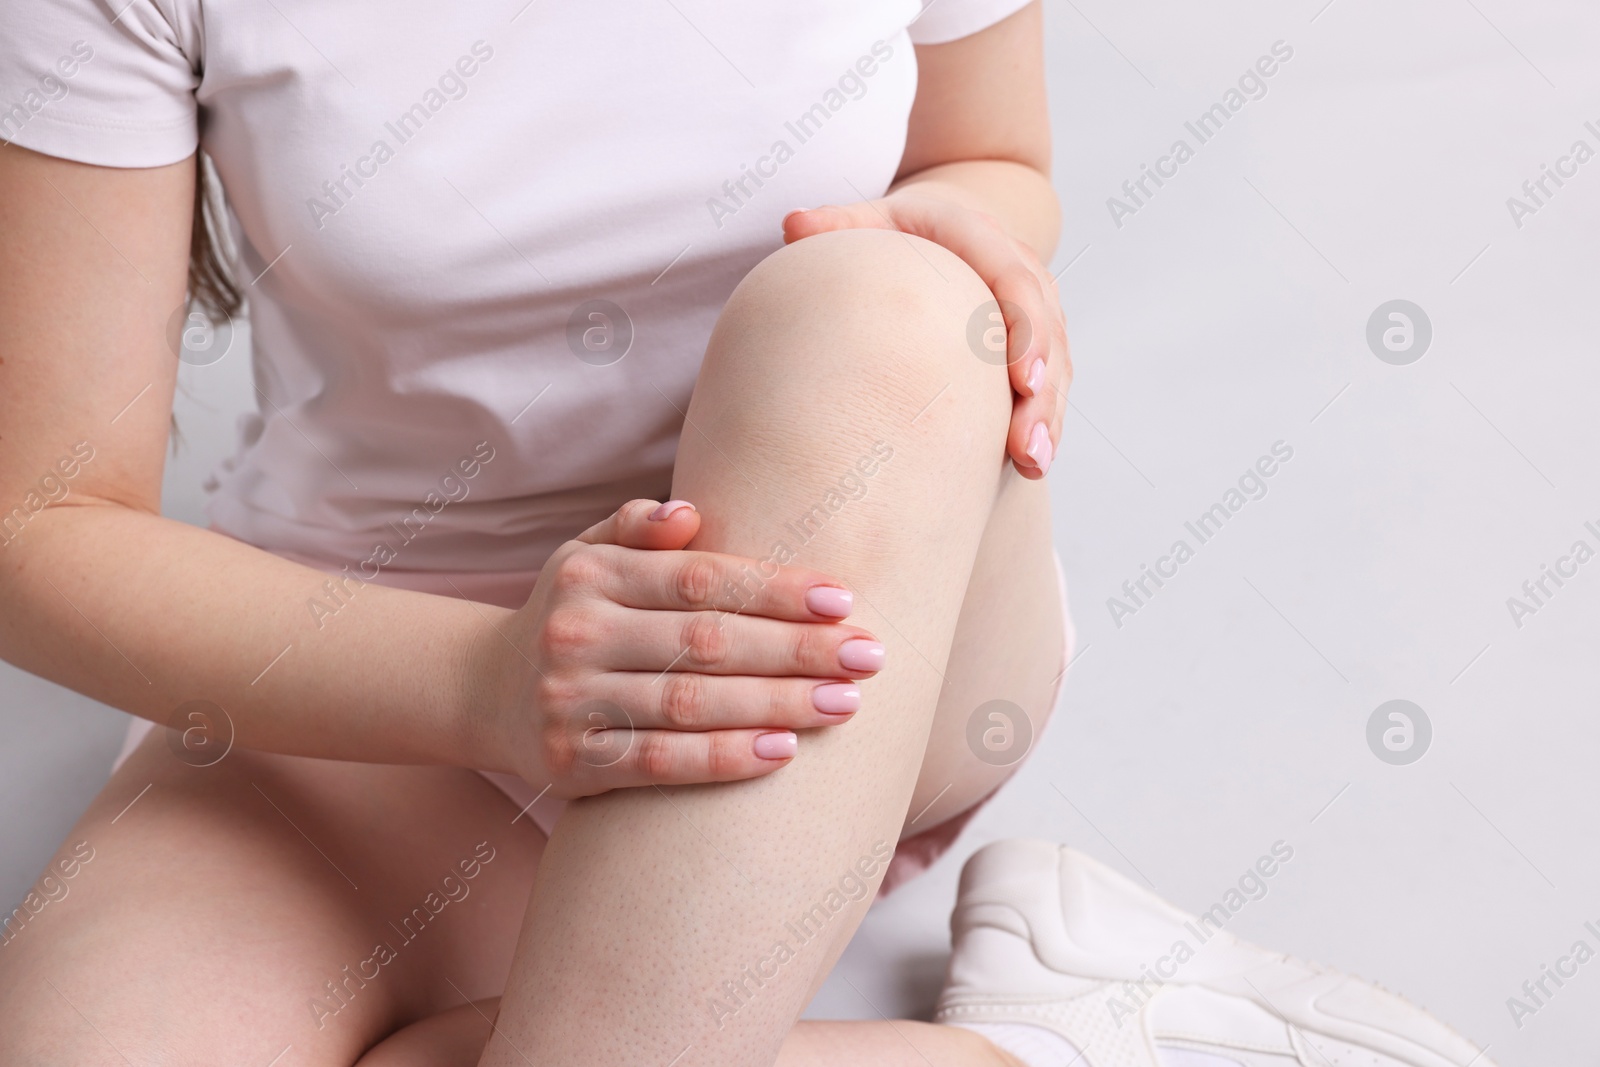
(486, 682)
(1015, 195)
(934, 186)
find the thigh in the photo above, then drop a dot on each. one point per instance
(1007, 647)
(230, 912)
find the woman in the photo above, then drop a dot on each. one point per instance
(497, 261)
(514, 277)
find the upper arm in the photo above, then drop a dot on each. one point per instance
(93, 265)
(982, 97)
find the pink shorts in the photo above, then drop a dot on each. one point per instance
(912, 855)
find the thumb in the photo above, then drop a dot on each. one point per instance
(808, 222)
(646, 524)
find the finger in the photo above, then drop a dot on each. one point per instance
(714, 642)
(646, 524)
(1034, 435)
(1030, 440)
(631, 758)
(716, 581)
(1060, 387)
(684, 700)
(1006, 266)
(1027, 317)
(808, 222)
(1059, 380)
(1045, 405)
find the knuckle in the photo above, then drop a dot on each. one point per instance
(696, 581)
(552, 695)
(784, 701)
(560, 752)
(657, 760)
(562, 552)
(704, 640)
(683, 700)
(724, 756)
(566, 632)
(636, 510)
(580, 570)
(1018, 280)
(805, 649)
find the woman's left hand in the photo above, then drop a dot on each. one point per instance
(1035, 327)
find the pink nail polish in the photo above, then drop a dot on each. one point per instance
(1036, 377)
(782, 745)
(669, 509)
(860, 654)
(1039, 448)
(837, 698)
(829, 600)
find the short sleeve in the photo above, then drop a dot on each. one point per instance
(950, 20)
(80, 81)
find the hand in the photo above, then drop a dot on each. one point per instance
(636, 663)
(1036, 329)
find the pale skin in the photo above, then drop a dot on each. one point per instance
(235, 892)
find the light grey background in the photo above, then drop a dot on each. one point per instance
(1227, 314)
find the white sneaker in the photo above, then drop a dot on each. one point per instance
(1047, 937)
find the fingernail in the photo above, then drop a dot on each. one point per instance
(792, 214)
(1039, 449)
(837, 698)
(860, 654)
(669, 509)
(1036, 377)
(829, 600)
(777, 746)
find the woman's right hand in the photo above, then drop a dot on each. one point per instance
(636, 662)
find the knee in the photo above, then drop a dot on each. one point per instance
(898, 289)
(907, 273)
(887, 314)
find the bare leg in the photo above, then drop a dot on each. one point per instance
(695, 922)
(985, 664)
(227, 913)
(456, 1038)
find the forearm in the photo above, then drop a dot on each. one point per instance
(1017, 195)
(145, 613)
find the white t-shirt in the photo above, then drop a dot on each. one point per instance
(488, 242)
